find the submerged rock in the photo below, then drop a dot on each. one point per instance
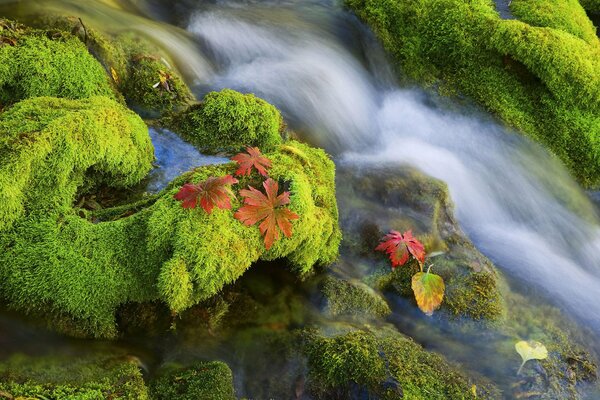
(204, 380)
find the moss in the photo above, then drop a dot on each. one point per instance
(228, 121)
(35, 64)
(67, 261)
(346, 298)
(83, 378)
(50, 148)
(386, 364)
(539, 75)
(204, 380)
(591, 6)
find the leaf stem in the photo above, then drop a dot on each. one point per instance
(521, 367)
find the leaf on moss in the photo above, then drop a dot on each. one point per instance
(530, 350)
(252, 158)
(210, 193)
(398, 246)
(114, 75)
(429, 291)
(267, 209)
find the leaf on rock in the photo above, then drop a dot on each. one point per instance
(429, 291)
(210, 193)
(252, 158)
(267, 209)
(530, 350)
(398, 246)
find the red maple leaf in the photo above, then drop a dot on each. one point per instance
(252, 158)
(269, 210)
(212, 192)
(398, 246)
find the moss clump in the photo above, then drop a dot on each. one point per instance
(82, 378)
(346, 298)
(228, 121)
(540, 77)
(385, 364)
(71, 262)
(34, 65)
(51, 148)
(205, 380)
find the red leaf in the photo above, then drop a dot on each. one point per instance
(252, 158)
(212, 192)
(269, 210)
(398, 246)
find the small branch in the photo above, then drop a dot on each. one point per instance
(84, 30)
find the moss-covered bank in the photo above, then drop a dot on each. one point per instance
(83, 264)
(540, 74)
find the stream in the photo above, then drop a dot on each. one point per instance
(330, 78)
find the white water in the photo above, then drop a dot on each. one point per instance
(515, 201)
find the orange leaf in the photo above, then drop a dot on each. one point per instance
(398, 247)
(267, 209)
(429, 291)
(210, 193)
(252, 158)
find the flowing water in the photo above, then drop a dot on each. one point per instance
(331, 80)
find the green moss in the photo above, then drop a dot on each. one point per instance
(205, 380)
(38, 65)
(78, 378)
(387, 365)
(591, 6)
(50, 148)
(346, 298)
(64, 261)
(541, 79)
(228, 121)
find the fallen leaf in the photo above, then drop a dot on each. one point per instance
(429, 291)
(252, 158)
(530, 350)
(267, 209)
(398, 246)
(210, 193)
(114, 75)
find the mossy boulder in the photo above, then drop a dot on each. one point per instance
(539, 74)
(402, 198)
(34, 63)
(205, 380)
(384, 364)
(227, 121)
(85, 377)
(50, 149)
(79, 265)
(353, 299)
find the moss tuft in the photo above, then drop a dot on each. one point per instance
(78, 378)
(205, 380)
(353, 299)
(38, 65)
(228, 121)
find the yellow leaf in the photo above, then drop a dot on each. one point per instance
(474, 390)
(530, 350)
(114, 75)
(429, 291)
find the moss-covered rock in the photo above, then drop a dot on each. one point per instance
(52, 148)
(384, 364)
(227, 121)
(402, 198)
(79, 378)
(204, 380)
(539, 74)
(36, 63)
(353, 299)
(83, 265)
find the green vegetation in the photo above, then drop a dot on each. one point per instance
(229, 121)
(205, 380)
(34, 64)
(94, 377)
(82, 265)
(354, 299)
(386, 364)
(541, 78)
